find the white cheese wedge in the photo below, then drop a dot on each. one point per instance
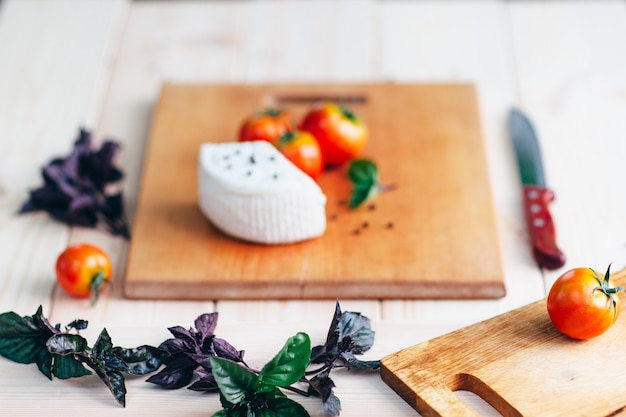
(250, 191)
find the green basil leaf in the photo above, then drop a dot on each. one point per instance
(269, 391)
(115, 381)
(114, 363)
(20, 339)
(289, 364)
(364, 175)
(66, 367)
(65, 344)
(44, 362)
(103, 345)
(283, 407)
(239, 410)
(233, 379)
(363, 171)
(361, 193)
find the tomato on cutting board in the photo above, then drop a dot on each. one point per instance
(83, 270)
(303, 150)
(583, 303)
(269, 125)
(341, 133)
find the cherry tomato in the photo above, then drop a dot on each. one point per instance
(302, 149)
(583, 303)
(340, 133)
(268, 125)
(83, 270)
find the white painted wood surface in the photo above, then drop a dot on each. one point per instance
(100, 64)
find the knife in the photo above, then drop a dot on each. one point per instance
(536, 195)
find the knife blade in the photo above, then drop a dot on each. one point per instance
(536, 195)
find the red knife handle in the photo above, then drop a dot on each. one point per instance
(541, 227)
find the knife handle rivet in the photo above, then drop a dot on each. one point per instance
(535, 208)
(538, 222)
(533, 194)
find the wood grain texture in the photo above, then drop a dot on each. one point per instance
(519, 363)
(560, 61)
(426, 138)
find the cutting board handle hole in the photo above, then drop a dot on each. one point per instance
(474, 392)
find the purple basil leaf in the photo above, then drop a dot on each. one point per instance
(202, 359)
(65, 184)
(48, 196)
(346, 344)
(83, 218)
(320, 353)
(83, 202)
(78, 324)
(112, 210)
(177, 345)
(205, 324)
(98, 166)
(332, 406)
(358, 328)
(206, 382)
(178, 372)
(223, 349)
(333, 332)
(351, 362)
(322, 385)
(186, 339)
(74, 188)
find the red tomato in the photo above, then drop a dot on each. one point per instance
(340, 133)
(303, 151)
(269, 125)
(83, 270)
(583, 304)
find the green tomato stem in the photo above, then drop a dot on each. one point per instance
(96, 284)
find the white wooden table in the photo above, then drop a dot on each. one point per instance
(100, 64)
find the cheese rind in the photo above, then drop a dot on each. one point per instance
(250, 191)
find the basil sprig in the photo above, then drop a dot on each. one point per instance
(244, 393)
(366, 182)
(64, 354)
(196, 358)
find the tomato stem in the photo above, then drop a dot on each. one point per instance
(605, 287)
(348, 114)
(96, 284)
(286, 138)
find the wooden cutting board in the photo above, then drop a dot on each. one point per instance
(520, 364)
(434, 236)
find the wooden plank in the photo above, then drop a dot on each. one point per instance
(572, 84)
(48, 92)
(466, 41)
(175, 253)
(519, 363)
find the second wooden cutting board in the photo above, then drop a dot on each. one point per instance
(520, 364)
(432, 237)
